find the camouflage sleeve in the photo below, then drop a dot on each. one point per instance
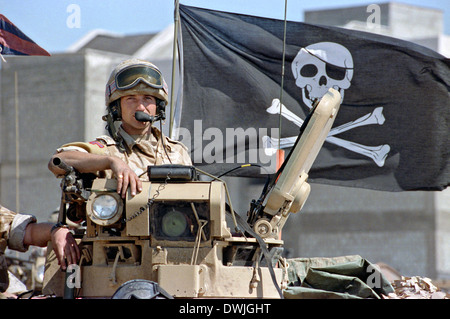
(12, 228)
(6, 218)
(178, 152)
(94, 147)
(186, 158)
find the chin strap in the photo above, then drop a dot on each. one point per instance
(112, 130)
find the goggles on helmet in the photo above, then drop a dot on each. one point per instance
(132, 75)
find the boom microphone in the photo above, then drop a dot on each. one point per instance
(144, 117)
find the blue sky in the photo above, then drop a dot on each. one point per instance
(45, 21)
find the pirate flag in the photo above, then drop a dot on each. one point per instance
(392, 130)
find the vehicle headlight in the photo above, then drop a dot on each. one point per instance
(105, 209)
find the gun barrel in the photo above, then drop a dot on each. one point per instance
(59, 163)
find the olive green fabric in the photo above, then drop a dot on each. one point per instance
(345, 277)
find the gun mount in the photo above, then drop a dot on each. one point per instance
(289, 188)
(175, 233)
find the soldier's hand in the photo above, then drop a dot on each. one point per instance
(65, 247)
(126, 177)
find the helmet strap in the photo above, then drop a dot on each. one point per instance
(114, 114)
(160, 109)
(115, 110)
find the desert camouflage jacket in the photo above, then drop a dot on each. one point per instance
(143, 150)
(12, 232)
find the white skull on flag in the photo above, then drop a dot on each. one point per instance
(317, 68)
(321, 66)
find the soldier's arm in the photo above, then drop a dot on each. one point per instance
(23, 230)
(37, 234)
(64, 245)
(92, 163)
(82, 161)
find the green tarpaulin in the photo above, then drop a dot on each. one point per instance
(345, 277)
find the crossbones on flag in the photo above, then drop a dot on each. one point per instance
(392, 130)
(15, 42)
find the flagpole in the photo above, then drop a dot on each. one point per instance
(1, 56)
(280, 152)
(282, 74)
(16, 107)
(174, 53)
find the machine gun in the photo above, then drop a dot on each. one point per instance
(174, 233)
(74, 191)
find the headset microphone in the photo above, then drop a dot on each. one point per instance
(144, 117)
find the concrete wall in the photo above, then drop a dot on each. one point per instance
(421, 25)
(60, 100)
(403, 20)
(413, 22)
(395, 228)
(342, 16)
(442, 234)
(50, 102)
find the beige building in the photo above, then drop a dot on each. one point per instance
(421, 25)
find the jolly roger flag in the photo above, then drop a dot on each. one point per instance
(392, 130)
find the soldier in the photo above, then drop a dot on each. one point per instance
(18, 231)
(133, 86)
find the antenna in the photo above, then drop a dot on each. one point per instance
(174, 53)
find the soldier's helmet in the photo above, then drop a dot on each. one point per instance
(136, 76)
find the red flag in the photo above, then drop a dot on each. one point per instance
(15, 42)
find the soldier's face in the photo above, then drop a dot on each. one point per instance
(133, 103)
